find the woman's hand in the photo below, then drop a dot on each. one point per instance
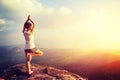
(29, 17)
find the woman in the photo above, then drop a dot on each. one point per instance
(30, 50)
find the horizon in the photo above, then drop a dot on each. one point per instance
(93, 65)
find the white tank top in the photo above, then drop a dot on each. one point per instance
(29, 40)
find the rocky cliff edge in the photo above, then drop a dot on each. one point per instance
(19, 72)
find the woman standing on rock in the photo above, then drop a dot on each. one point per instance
(30, 50)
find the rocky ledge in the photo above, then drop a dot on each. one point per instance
(18, 72)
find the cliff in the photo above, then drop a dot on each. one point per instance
(18, 72)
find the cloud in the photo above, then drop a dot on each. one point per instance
(91, 24)
(2, 21)
(7, 25)
(49, 11)
(65, 11)
(5, 13)
(23, 6)
(48, 17)
(2, 24)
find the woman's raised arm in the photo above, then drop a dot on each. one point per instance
(24, 24)
(33, 28)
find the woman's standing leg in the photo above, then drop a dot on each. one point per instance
(28, 60)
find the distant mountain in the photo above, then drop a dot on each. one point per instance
(93, 65)
(112, 70)
(113, 66)
(17, 49)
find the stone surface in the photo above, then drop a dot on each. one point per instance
(19, 72)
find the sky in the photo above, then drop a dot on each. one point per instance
(85, 24)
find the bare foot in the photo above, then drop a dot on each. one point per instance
(30, 72)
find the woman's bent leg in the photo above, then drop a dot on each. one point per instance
(38, 53)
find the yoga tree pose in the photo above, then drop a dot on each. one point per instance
(30, 49)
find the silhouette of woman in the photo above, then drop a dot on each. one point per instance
(30, 50)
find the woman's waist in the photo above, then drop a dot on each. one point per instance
(29, 45)
(29, 42)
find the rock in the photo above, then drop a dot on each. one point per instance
(19, 72)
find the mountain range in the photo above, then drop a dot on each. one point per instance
(95, 65)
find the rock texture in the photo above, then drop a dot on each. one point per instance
(19, 72)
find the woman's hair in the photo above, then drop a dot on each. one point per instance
(27, 25)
